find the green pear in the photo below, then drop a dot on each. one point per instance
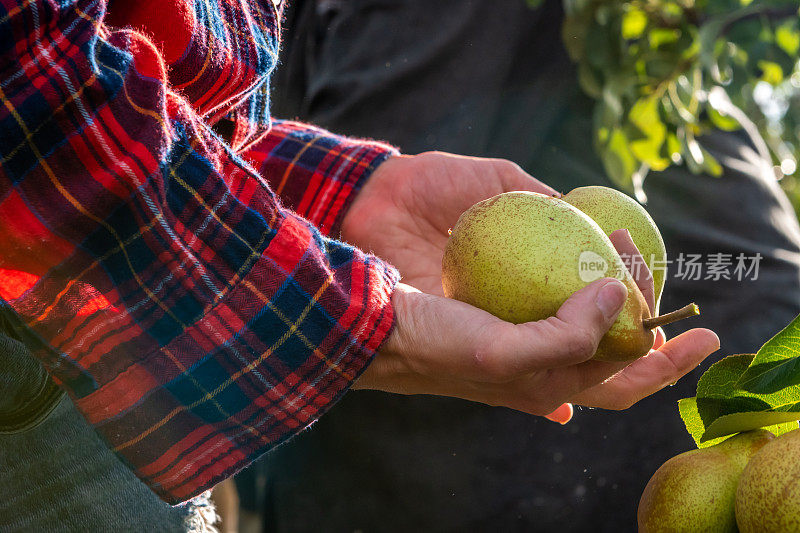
(768, 497)
(520, 255)
(695, 491)
(613, 210)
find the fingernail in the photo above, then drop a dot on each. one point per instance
(611, 297)
(715, 344)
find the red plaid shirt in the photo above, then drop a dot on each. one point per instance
(182, 289)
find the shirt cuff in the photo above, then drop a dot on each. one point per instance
(316, 173)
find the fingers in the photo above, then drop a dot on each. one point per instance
(446, 347)
(660, 339)
(652, 372)
(562, 414)
(514, 178)
(443, 337)
(571, 336)
(627, 250)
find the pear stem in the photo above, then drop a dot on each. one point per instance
(669, 318)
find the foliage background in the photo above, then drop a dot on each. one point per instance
(662, 72)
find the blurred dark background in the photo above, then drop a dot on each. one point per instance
(493, 79)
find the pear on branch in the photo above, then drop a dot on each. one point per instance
(696, 490)
(768, 496)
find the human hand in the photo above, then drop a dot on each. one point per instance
(623, 243)
(405, 210)
(403, 215)
(446, 347)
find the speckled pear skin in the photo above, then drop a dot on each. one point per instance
(613, 210)
(516, 255)
(695, 491)
(768, 496)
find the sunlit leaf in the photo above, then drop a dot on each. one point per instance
(644, 115)
(776, 422)
(618, 160)
(722, 407)
(772, 72)
(634, 22)
(787, 37)
(632, 53)
(687, 408)
(673, 147)
(776, 366)
(661, 36)
(710, 164)
(723, 122)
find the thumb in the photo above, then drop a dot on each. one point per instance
(596, 306)
(572, 336)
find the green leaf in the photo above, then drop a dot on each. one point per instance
(776, 422)
(674, 147)
(694, 424)
(772, 72)
(721, 408)
(707, 37)
(590, 82)
(678, 51)
(710, 164)
(723, 122)
(727, 425)
(634, 22)
(573, 34)
(644, 113)
(721, 377)
(660, 68)
(776, 365)
(720, 393)
(787, 37)
(597, 43)
(618, 160)
(662, 36)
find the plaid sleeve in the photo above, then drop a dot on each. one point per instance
(194, 320)
(315, 172)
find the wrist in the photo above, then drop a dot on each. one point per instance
(373, 195)
(391, 361)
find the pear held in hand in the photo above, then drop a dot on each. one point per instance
(614, 210)
(768, 497)
(695, 491)
(520, 255)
